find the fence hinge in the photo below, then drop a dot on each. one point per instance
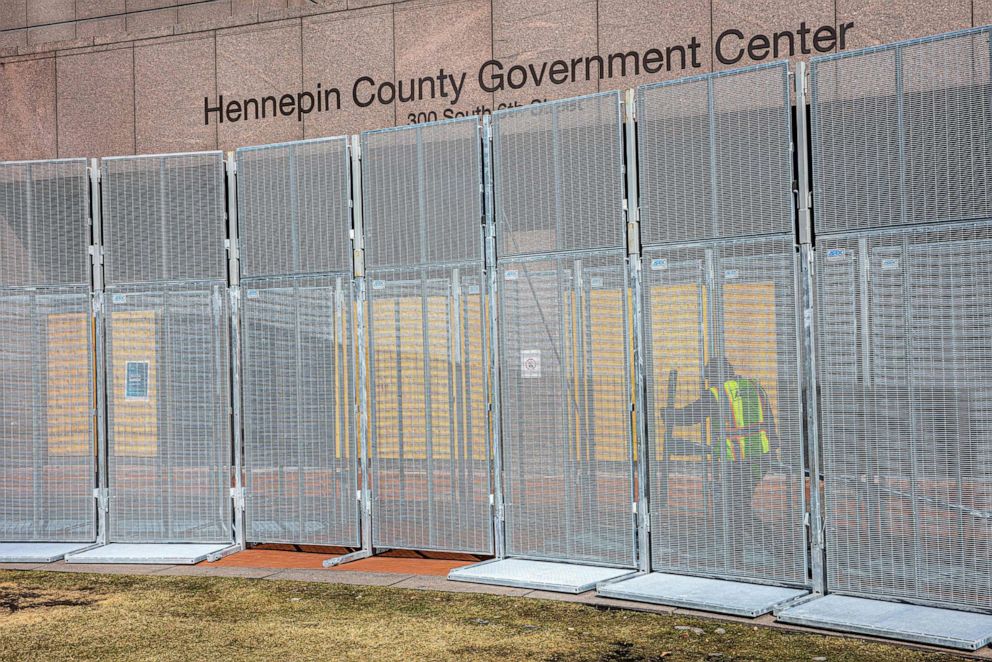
(358, 495)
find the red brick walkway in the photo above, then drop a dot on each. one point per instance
(404, 563)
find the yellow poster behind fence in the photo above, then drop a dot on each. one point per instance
(68, 389)
(135, 419)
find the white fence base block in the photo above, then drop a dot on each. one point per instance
(701, 593)
(164, 553)
(39, 552)
(894, 620)
(538, 575)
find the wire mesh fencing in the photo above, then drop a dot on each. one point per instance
(564, 332)
(168, 353)
(901, 138)
(428, 364)
(720, 306)
(47, 449)
(298, 364)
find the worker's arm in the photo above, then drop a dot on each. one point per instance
(695, 412)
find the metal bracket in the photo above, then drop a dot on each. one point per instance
(238, 496)
(102, 496)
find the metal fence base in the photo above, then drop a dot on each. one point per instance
(537, 575)
(39, 552)
(163, 553)
(347, 558)
(894, 620)
(701, 593)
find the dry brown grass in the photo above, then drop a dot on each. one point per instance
(62, 616)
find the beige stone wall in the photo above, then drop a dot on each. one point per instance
(110, 77)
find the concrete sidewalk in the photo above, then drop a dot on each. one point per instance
(423, 577)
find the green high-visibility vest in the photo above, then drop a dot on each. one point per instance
(747, 416)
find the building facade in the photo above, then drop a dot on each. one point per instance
(119, 77)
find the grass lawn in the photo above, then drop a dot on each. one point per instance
(67, 616)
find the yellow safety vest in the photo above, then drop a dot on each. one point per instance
(746, 413)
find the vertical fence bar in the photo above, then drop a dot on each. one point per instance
(234, 280)
(364, 493)
(808, 354)
(642, 504)
(493, 393)
(100, 352)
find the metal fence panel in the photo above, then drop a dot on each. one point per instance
(163, 218)
(169, 433)
(566, 390)
(47, 434)
(903, 355)
(168, 342)
(294, 212)
(44, 220)
(46, 401)
(714, 512)
(901, 133)
(564, 331)
(429, 427)
(300, 423)
(901, 137)
(558, 170)
(299, 411)
(704, 146)
(720, 312)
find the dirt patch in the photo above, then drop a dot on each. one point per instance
(14, 598)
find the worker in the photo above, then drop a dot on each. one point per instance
(743, 408)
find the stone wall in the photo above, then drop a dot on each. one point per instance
(111, 77)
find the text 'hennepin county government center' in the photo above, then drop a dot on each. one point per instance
(687, 303)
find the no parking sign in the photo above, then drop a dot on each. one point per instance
(530, 363)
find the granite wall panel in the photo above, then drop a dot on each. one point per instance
(205, 11)
(255, 62)
(98, 8)
(981, 12)
(13, 38)
(44, 12)
(527, 32)
(338, 49)
(171, 77)
(155, 18)
(440, 45)
(679, 30)
(766, 30)
(96, 103)
(27, 110)
(13, 14)
(883, 21)
(101, 26)
(44, 34)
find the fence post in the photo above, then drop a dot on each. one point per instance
(234, 292)
(642, 502)
(808, 353)
(102, 492)
(499, 519)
